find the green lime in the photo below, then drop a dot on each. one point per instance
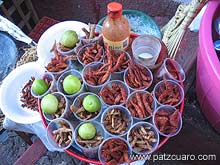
(39, 86)
(69, 38)
(49, 104)
(87, 131)
(71, 84)
(91, 103)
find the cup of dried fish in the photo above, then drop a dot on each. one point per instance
(168, 92)
(76, 84)
(143, 138)
(117, 120)
(119, 60)
(80, 111)
(114, 150)
(63, 106)
(95, 75)
(141, 104)
(138, 77)
(171, 69)
(49, 79)
(168, 120)
(89, 53)
(60, 134)
(89, 145)
(115, 92)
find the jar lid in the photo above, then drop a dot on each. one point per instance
(114, 9)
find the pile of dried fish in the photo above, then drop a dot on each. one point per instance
(142, 138)
(63, 135)
(29, 56)
(96, 141)
(116, 122)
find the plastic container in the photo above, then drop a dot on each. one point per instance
(146, 49)
(65, 53)
(82, 50)
(118, 75)
(165, 72)
(92, 88)
(153, 106)
(115, 28)
(181, 91)
(142, 89)
(153, 144)
(170, 109)
(208, 68)
(71, 50)
(52, 86)
(58, 95)
(57, 74)
(117, 138)
(118, 82)
(63, 76)
(98, 31)
(125, 112)
(81, 97)
(90, 152)
(54, 125)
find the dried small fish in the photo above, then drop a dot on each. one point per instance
(62, 135)
(116, 122)
(97, 140)
(142, 138)
(115, 151)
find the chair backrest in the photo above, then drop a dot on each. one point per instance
(20, 12)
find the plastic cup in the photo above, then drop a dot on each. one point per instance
(109, 84)
(118, 75)
(125, 112)
(54, 125)
(90, 152)
(76, 103)
(164, 72)
(146, 49)
(51, 78)
(98, 31)
(153, 106)
(90, 87)
(58, 95)
(57, 74)
(65, 53)
(180, 89)
(101, 159)
(153, 144)
(82, 50)
(139, 89)
(170, 109)
(63, 76)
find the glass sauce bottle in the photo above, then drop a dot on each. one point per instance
(116, 28)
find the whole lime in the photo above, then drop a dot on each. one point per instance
(71, 84)
(91, 103)
(49, 104)
(39, 86)
(87, 131)
(69, 38)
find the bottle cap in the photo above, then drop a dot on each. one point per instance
(114, 9)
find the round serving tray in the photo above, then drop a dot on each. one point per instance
(78, 155)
